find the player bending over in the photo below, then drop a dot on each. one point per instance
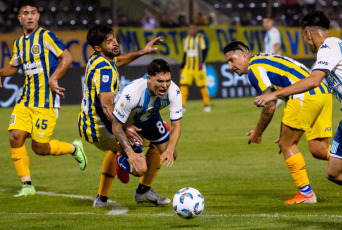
(308, 112)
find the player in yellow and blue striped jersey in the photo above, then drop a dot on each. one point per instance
(44, 59)
(309, 112)
(101, 84)
(193, 66)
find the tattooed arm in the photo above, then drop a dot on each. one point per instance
(255, 135)
(135, 160)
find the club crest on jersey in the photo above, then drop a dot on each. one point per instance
(12, 119)
(35, 49)
(105, 78)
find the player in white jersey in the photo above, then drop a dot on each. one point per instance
(328, 68)
(272, 39)
(139, 104)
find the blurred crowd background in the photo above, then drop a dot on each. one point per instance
(66, 15)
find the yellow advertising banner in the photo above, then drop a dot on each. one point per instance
(133, 39)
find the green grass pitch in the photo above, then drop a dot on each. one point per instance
(244, 186)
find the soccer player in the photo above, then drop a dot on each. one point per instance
(328, 68)
(272, 40)
(44, 59)
(100, 86)
(139, 104)
(308, 112)
(193, 66)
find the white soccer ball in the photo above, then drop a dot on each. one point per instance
(188, 203)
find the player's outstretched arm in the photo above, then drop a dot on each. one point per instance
(135, 160)
(65, 60)
(168, 155)
(8, 70)
(302, 86)
(125, 59)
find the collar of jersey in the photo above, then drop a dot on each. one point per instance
(27, 37)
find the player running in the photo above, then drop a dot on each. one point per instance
(328, 68)
(139, 104)
(309, 112)
(100, 86)
(44, 59)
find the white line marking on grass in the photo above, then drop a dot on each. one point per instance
(117, 208)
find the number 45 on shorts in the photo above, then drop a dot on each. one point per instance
(41, 124)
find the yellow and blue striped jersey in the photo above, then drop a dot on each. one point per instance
(38, 54)
(101, 76)
(193, 46)
(276, 72)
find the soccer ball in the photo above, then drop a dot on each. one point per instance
(188, 203)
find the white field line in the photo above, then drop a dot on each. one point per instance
(117, 208)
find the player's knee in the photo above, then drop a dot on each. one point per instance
(40, 148)
(15, 140)
(140, 172)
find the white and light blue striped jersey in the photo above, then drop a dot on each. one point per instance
(329, 57)
(135, 104)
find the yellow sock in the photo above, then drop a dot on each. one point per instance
(296, 165)
(153, 166)
(60, 148)
(21, 161)
(184, 91)
(108, 173)
(328, 154)
(205, 95)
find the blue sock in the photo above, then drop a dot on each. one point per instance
(306, 190)
(123, 163)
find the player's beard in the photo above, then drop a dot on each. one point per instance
(111, 54)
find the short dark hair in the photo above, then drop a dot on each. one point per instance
(235, 46)
(23, 3)
(158, 66)
(97, 34)
(317, 19)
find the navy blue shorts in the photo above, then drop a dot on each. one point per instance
(336, 147)
(154, 129)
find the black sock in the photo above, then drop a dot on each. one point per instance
(102, 198)
(142, 188)
(27, 182)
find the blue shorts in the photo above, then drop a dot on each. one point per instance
(336, 147)
(154, 130)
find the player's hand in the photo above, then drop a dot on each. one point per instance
(149, 47)
(136, 161)
(53, 84)
(253, 137)
(167, 158)
(131, 132)
(263, 99)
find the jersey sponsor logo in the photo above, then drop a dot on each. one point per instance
(35, 49)
(12, 119)
(120, 114)
(128, 97)
(324, 46)
(327, 129)
(105, 78)
(322, 63)
(27, 66)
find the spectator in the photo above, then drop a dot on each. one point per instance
(148, 21)
(201, 20)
